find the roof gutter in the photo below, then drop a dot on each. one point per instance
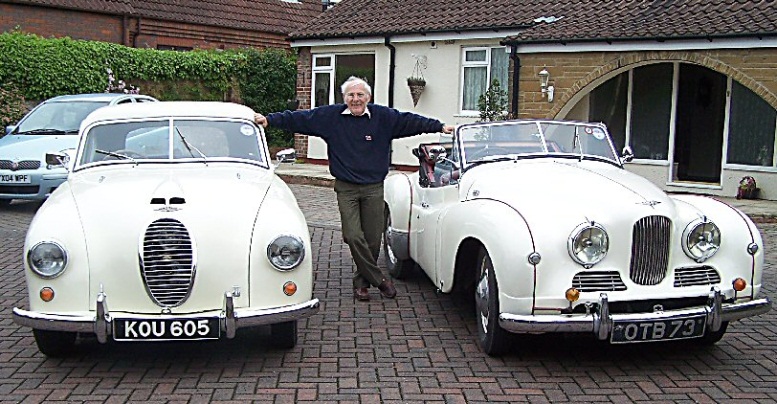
(611, 40)
(392, 69)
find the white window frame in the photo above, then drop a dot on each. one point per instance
(479, 63)
(330, 70)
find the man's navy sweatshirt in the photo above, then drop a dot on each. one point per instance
(358, 147)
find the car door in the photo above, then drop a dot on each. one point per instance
(434, 193)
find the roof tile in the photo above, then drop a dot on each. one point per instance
(276, 16)
(578, 20)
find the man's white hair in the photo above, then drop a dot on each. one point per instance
(352, 81)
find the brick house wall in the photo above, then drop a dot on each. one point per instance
(51, 22)
(130, 30)
(570, 73)
(304, 88)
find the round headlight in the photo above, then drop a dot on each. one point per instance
(701, 239)
(286, 252)
(588, 244)
(47, 259)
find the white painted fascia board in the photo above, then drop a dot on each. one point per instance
(438, 36)
(648, 45)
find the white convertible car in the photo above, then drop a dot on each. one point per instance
(172, 225)
(541, 223)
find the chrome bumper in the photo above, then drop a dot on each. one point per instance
(600, 322)
(100, 324)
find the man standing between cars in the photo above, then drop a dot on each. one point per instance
(358, 138)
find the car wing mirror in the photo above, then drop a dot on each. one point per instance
(9, 129)
(60, 159)
(627, 155)
(286, 156)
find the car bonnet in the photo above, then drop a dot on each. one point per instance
(565, 188)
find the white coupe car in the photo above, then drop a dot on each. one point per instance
(541, 223)
(172, 225)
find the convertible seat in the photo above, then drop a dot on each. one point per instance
(426, 164)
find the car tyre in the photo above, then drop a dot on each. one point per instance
(492, 337)
(5, 202)
(284, 335)
(712, 337)
(396, 267)
(55, 343)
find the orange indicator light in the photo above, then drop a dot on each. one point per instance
(47, 294)
(289, 288)
(572, 294)
(739, 284)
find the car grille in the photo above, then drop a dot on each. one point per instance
(695, 276)
(168, 262)
(598, 281)
(21, 165)
(19, 189)
(650, 250)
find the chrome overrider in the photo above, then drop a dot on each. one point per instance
(100, 323)
(600, 321)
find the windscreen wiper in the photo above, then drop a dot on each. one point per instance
(47, 131)
(117, 155)
(190, 146)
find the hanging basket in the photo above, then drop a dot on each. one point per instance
(416, 86)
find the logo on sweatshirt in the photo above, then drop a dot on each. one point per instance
(368, 138)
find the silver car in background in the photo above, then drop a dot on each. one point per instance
(52, 125)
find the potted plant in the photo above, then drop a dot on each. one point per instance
(416, 85)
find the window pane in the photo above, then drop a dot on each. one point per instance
(500, 60)
(321, 95)
(362, 66)
(650, 111)
(608, 105)
(475, 55)
(751, 128)
(474, 85)
(323, 61)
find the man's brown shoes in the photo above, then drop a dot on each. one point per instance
(361, 294)
(387, 289)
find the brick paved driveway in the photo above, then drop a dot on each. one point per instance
(418, 348)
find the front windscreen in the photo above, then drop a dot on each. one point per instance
(183, 139)
(58, 116)
(513, 140)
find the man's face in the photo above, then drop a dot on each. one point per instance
(356, 98)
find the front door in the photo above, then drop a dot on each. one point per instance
(698, 140)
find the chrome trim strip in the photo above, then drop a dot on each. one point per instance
(601, 323)
(100, 324)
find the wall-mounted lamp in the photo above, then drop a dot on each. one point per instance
(544, 80)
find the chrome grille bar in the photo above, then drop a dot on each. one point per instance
(650, 250)
(598, 281)
(168, 262)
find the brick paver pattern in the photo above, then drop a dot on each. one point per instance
(420, 347)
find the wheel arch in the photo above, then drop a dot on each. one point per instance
(501, 224)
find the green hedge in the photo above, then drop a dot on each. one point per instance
(36, 68)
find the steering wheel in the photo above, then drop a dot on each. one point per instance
(125, 152)
(487, 151)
